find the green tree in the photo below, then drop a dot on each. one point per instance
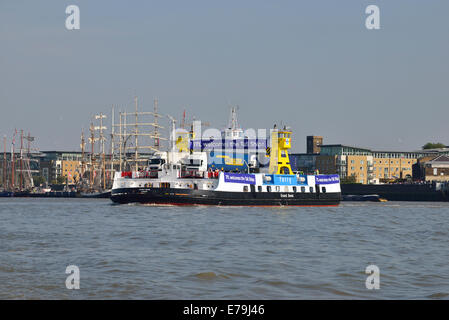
(38, 180)
(430, 145)
(61, 180)
(348, 180)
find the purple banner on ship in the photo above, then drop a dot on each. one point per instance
(327, 179)
(251, 144)
(240, 178)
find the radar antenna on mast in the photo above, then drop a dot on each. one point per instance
(233, 123)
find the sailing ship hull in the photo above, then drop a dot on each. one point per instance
(171, 196)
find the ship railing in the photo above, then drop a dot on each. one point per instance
(148, 174)
(192, 174)
(127, 174)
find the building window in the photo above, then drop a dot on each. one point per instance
(303, 189)
(259, 188)
(245, 188)
(294, 189)
(269, 189)
(311, 189)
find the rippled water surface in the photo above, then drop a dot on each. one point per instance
(145, 252)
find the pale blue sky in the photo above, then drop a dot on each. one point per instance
(311, 64)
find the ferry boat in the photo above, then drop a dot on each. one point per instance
(182, 178)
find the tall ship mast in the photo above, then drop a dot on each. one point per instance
(17, 173)
(134, 146)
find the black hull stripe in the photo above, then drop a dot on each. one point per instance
(204, 197)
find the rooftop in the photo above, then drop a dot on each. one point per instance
(441, 158)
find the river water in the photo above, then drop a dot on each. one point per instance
(146, 252)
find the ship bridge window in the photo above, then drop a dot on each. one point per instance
(156, 161)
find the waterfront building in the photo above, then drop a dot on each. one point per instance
(371, 166)
(314, 144)
(55, 164)
(432, 169)
(365, 165)
(303, 162)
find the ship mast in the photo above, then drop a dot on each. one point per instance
(12, 160)
(92, 140)
(5, 178)
(102, 139)
(156, 131)
(137, 136)
(125, 139)
(137, 132)
(233, 124)
(120, 141)
(21, 161)
(29, 139)
(83, 159)
(111, 175)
